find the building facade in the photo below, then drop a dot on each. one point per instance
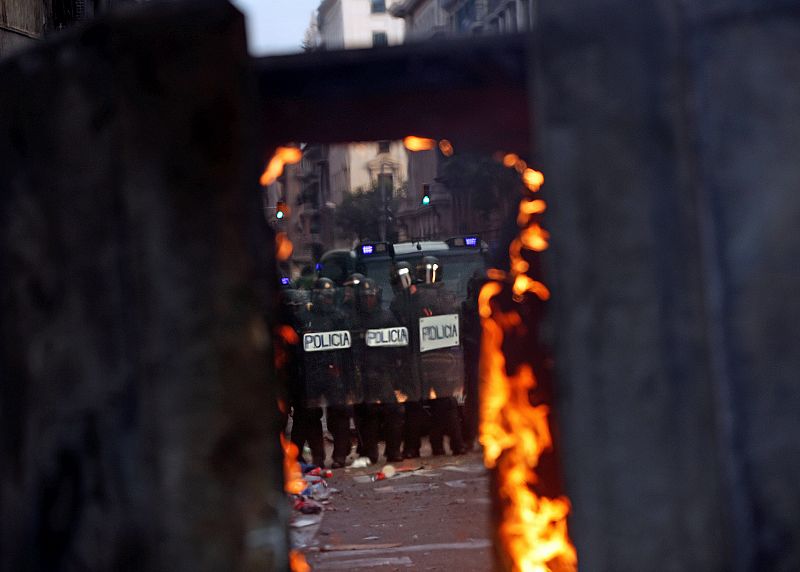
(348, 24)
(360, 166)
(450, 210)
(467, 17)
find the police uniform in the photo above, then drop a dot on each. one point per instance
(403, 307)
(471, 342)
(326, 341)
(441, 370)
(380, 359)
(351, 367)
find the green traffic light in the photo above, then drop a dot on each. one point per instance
(426, 200)
(279, 214)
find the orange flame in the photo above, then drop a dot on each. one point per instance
(292, 475)
(514, 433)
(297, 562)
(293, 483)
(413, 143)
(535, 238)
(495, 274)
(528, 208)
(510, 159)
(532, 179)
(283, 246)
(401, 397)
(283, 156)
(446, 148)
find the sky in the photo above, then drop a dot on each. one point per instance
(276, 26)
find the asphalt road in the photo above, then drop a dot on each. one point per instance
(434, 518)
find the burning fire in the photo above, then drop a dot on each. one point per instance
(283, 246)
(297, 562)
(532, 179)
(292, 475)
(293, 484)
(413, 143)
(283, 156)
(513, 432)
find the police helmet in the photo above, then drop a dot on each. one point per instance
(323, 294)
(354, 279)
(369, 294)
(429, 271)
(402, 276)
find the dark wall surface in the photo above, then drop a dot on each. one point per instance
(137, 421)
(669, 137)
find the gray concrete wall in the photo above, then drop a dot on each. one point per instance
(137, 418)
(668, 134)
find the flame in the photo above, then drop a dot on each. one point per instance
(524, 283)
(413, 143)
(532, 179)
(283, 246)
(297, 562)
(283, 156)
(534, 238)
(431, 394)
(292, 475)
(401, 397)
(495, 274)
(514, 433)
(528, 208)
(446, 148)
(510, 159)
(518, 264)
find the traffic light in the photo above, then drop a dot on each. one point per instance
(281, 210)
(426, 195)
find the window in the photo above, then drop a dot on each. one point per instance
(386, 182)
(378, 6)
(383, 146)
(379, 39)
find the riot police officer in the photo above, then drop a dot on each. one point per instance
(403, 306)
(349, 292)
(326, 339)
(441, 366)
(306, 421)
(471, 342)
(380, 337)
(351, 365)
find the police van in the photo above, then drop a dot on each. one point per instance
(461, 257)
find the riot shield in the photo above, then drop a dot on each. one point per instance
(409, 384)
(382, 350)
(329, 372)
(441, 356)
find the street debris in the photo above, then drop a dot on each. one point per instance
(412, 488)
(475, 468)
(351, 547)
